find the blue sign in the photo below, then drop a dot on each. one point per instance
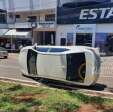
(89, 12)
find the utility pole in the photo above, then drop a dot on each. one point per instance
(31, 11)
(12, 15)
(31, 6)
(33, 23)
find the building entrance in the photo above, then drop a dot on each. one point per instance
(46, 38)
(84, 39)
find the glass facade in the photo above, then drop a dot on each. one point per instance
(104, 41)
(3, 17)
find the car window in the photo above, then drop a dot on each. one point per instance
(2, 49)
(58, 50)
(41, 49)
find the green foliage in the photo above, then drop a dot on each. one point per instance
(18, 98)
(64, 106)
(91, 100)
(15, 88)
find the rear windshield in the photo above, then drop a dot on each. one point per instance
(58, 50)
(40, 49)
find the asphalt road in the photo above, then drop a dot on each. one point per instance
(9, 68)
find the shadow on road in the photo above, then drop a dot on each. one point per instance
(68, 86)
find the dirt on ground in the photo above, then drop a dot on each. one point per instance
(83, 108)
(28, 97)
(95, 108)
(87, 108)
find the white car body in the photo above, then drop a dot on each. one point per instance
(61, 63)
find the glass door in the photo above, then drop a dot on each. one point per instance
(84, 39)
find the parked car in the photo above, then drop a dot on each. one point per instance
(3, 53)
(77, 64)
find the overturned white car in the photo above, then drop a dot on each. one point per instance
(77, 64)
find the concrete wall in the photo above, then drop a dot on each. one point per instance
(104, 28)
(62, 30)
(2, 4)
(27, 5)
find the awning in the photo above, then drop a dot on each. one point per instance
(17, 33)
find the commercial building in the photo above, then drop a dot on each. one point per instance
(79, 22)
(30, 18)
(86, 22)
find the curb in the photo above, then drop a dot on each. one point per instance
(97, 93)
(23, 82)
(36, 84)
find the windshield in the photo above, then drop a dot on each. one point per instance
(2, 49)
(58, 50)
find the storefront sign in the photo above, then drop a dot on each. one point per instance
(105, 13)
(85, 28)
(100, 13)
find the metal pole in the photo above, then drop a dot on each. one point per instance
(57, 3)
(32, 35)
(11, 40)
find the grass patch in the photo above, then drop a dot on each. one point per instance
(18, 98)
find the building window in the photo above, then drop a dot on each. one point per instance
(104, 41)
(11, 15)
(17, 16)
(50, 17)
(32, 18)
(3, 18)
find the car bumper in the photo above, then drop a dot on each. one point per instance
(3, 54)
